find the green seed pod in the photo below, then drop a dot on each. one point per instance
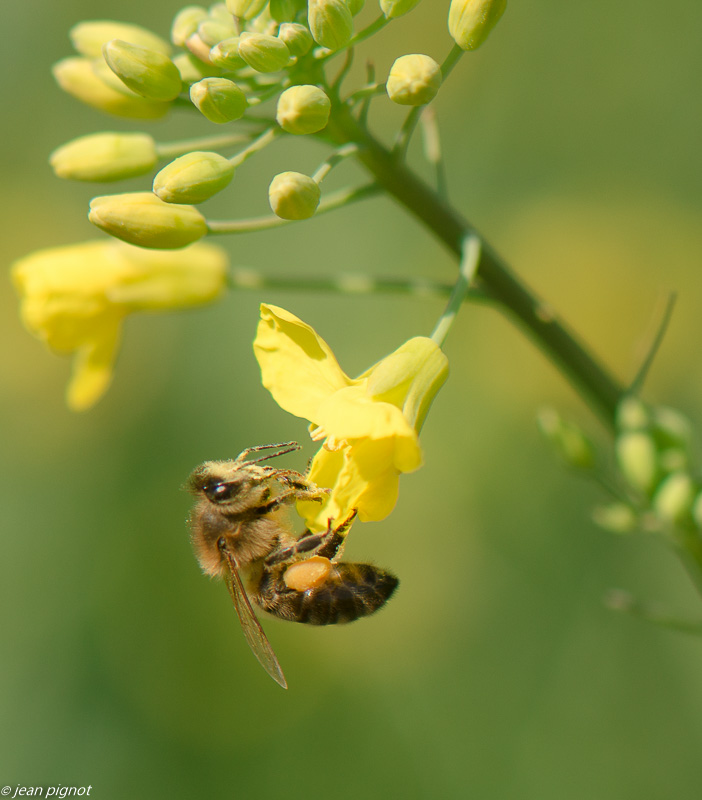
(146, 72)
(638, 460)
(77, 77)
(193, 178)
(185, 24)
(226, 54)
(105, 157)
(675, 497)
(616, 518)
(330, 21)
(396, 8)
(568, 440)
(303, 109)
(246, 9)
(213, 31)
(88, 38)
(293, 195)
(143, 219)
(414, 80)
(632, 414)
(263, 53)
(470, 21)
(297, 38)
(192, 69)
(219, 99)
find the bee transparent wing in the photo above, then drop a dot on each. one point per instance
(257, 639)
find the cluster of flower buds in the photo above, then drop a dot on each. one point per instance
(656, 486)
(223, 61)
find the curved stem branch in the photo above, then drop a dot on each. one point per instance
(493, 274)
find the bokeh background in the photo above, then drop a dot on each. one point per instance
(572, 140)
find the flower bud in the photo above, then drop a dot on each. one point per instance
(262, 52)
(356, 6)
(221, 12)
(303, 109)
(671, 428)
(192, 69)
(104, 157)
(632, 414)
(143, 219)
(193, 178)
(616, 518)
(219, 99)
(246, 9)
(330, 22)
(88, 38)
(146, 72)
(637, 458)
(284, 10)
(396, 8)
(567, 439)
(213, 31)
(225, 54)
(185, 24)
(293, 195)
(414, 80)
(297, 38)
(470, 21)
(675, 497)
(77, 77)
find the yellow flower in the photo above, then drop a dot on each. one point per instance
(369, 424)
(74, 299)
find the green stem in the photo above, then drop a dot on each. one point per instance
(469, 264)
(350, 283)
(450, 227)
(263, 141)
(172, 149)
(331, 203)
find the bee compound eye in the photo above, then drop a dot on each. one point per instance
(220, 491)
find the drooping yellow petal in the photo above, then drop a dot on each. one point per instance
(297, 366)
(93, 365)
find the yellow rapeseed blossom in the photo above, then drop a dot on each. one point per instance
(74, 299)
(369, 424)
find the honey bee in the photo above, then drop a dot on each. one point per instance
(240, 532)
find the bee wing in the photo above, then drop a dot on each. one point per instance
(257, 639)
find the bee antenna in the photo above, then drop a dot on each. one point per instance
(281, 449)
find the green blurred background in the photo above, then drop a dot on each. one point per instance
(572, 140)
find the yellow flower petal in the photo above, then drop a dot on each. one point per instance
(297, 366)
(93, 366)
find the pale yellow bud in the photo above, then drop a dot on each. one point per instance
(77, 77)
(675, 497)
(219, 99)
(143, 219)
(396, 8)
(470, 21)
(193, 178)
(616, 518)
(303, 109)
(293, 195)
(89, 37)
(569, 441)
(226, 54)
(297, 38)
(246, 9)
(632, 414)
(213, 31)
(414, 80)
(104, 157)
(330, 22)
(185, 24)
(356, 6)
(146, 72)
(263, 53)
(638, 460)
(284, 10)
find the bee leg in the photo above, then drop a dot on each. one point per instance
(337, 537)
(325, 544)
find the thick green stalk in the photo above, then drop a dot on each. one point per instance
(493, 275)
